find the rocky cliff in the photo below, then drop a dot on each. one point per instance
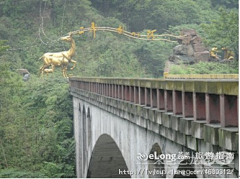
(190, 49)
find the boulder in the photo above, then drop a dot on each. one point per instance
(202, 56)
(180, 50)
(185, 40)
(196, 40)
(183, 50)
(26, 77)
(22, 71)
(179, 59)
(199, 47)
(171, 58)
(190, 50)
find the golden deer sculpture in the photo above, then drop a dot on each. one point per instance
(59, 58)
(48, 70)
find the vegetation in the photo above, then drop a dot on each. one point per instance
(36, 128)
(204, 68)
(223, 31)
(36, 131)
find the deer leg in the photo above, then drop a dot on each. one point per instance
(74, 64)
(41, 71)
(53, 67)
(65, 72)
(43, 68)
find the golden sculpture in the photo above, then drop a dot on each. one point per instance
(50, 70)
(81, 30)
(213, 53)
(59, 58)
(120, 30)
(150, 34)
(93, 27)
(227, 54)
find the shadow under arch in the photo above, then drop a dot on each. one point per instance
(107, 160)
(155, 163)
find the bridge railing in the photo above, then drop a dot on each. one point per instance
(200, 76)
(214, 101)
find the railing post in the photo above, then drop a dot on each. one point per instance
(207, 108)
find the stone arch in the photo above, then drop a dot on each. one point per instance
(107, 160)
(155, 163)
(185, 170)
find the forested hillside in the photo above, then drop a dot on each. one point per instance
(36, 133)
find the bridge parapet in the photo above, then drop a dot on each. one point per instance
(210, 107)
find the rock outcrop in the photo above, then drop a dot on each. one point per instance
(190, 49)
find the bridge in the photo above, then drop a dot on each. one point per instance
(168, 127)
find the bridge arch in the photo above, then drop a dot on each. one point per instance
(155, 164)
(107, 160)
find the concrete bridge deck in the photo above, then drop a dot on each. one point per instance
(174, 114)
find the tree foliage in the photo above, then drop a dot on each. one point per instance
(36, 129)
(155, 14)
(205, 68)
(223, 31)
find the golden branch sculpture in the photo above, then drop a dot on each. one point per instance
(61, 59)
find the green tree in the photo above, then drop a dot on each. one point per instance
(156, 14)
(204, 68)
(223, 31)
(225, 3)
(3, 47)
(153, 55)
